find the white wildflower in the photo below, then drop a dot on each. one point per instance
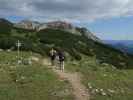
(96, 90)
(16, 80)
(111, 91)
(101, 90)
(103, 93)
(89, 85)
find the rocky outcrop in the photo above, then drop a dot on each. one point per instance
(26, 24)
(62, 25)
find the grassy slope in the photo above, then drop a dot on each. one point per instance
(29, 82)
(99, 76)
(105, 77)
(75, 45)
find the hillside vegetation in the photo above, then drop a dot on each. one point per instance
(73, 45)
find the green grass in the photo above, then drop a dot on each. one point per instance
(30, 82)
(97, 77)
(42, 41)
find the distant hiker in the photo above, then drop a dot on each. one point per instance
(52, 56)
(61, 59)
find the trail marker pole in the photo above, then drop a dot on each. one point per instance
(18, 44)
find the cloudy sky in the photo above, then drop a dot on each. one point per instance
(108, 19)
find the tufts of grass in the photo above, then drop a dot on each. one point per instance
(30, 82)
(104, 81)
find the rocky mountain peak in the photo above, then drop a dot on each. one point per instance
(62, 25)
(59, 24)
(27, 24)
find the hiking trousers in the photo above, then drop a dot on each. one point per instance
(62, 65)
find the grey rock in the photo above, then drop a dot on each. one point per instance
(62, 25)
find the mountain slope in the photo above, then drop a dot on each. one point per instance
(73, 45)
(80, 44)
(5, 26)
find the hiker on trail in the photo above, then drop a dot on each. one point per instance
(61, 59)
(52, 56)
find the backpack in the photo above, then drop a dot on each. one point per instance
(61, 56)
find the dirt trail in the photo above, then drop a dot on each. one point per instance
(79, 89)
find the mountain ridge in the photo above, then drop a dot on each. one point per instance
(73, 45)
(62, 25)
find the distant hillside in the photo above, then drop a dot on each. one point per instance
(74, 45)
(123, 45)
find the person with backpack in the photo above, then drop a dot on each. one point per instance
(52, 56)
(61, 59)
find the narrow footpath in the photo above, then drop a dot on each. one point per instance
(79, 90)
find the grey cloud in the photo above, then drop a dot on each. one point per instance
(56, 6)
(77, 10)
